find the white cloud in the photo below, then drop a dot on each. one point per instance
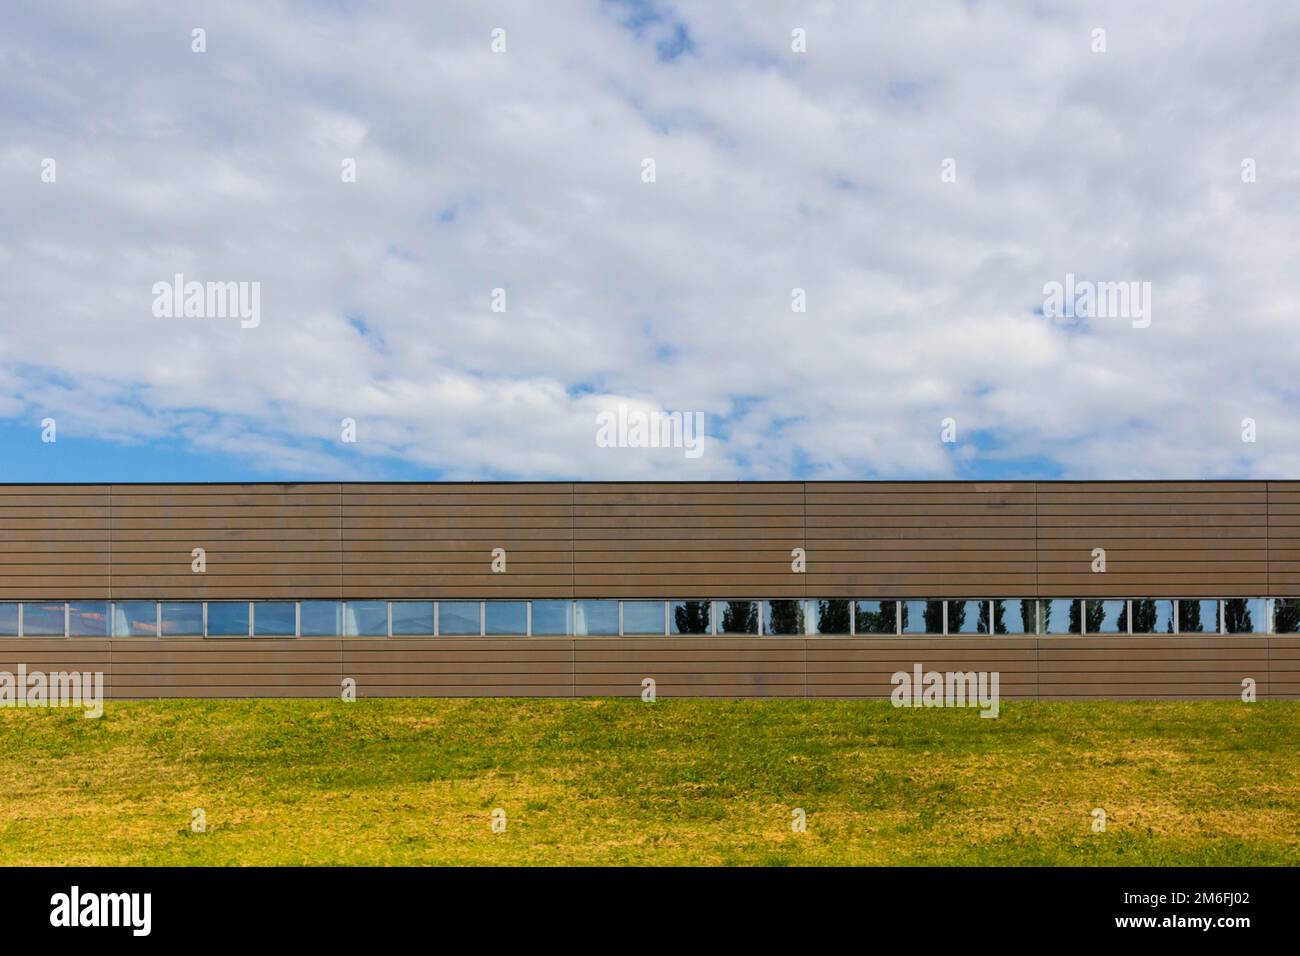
(775, 170)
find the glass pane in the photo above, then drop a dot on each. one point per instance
(135, 619)
(690, 617)
(227, 618)
(737, 617)
(968, 617)
(1198, 617)
(877, 617)
(366, 619)
(43, 619)
(1153, 617)
(458, 617)
(413, 617)
(1013, 617)
(274, 619)
(322, 618)
(89, 619)
(595, 617)
(1244, 616)
(922, 617)
(1059, 616)
(552, 618)
(1107, 617)
(643, 617)
(183, 618)
(783, 617)
(8, 620)
(829, 616)
(1286, 616)
(506, 617)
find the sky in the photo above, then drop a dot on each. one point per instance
(839, 256)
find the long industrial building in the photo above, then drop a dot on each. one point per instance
(722, 589)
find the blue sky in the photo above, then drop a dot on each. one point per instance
(915, 174)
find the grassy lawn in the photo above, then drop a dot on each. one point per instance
(674, 782)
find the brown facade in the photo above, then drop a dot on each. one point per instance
(627, 540)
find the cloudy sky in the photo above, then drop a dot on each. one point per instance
(920, 171)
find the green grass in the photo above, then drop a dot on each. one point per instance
(674, 782)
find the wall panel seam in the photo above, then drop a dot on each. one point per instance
(803, 543)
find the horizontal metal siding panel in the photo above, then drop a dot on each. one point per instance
(896, 540)
(256, 539)
(54, 542)
(690, 667)
(144, 668)
(1164, 667)
(436, 541)
(864, 668)
(687, 540)
(1210, 539)
(460, 668)
(1284, 538)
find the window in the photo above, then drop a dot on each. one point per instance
(1153, 617)
(227, 619)
(322, 618)
(367, 619)
(651, 617)
(183, 619)
(643, 617)
(135, 619)
(737, 617)
(1014, 617)
(1286, 616)
(553, 618)
(1107, 617)
(275, 619)
(1198, 617)
(783, 617)
(506, 617)
(922, 617)
(89, 619)
(43, 619)
(456, 618)
(876, 617)
(1244, 616)
(968, 617)
(829, 616)
(1059, 616)
(413, 617)
(689, 617)
(595, 617)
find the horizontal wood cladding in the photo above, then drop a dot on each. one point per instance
(671, 540)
